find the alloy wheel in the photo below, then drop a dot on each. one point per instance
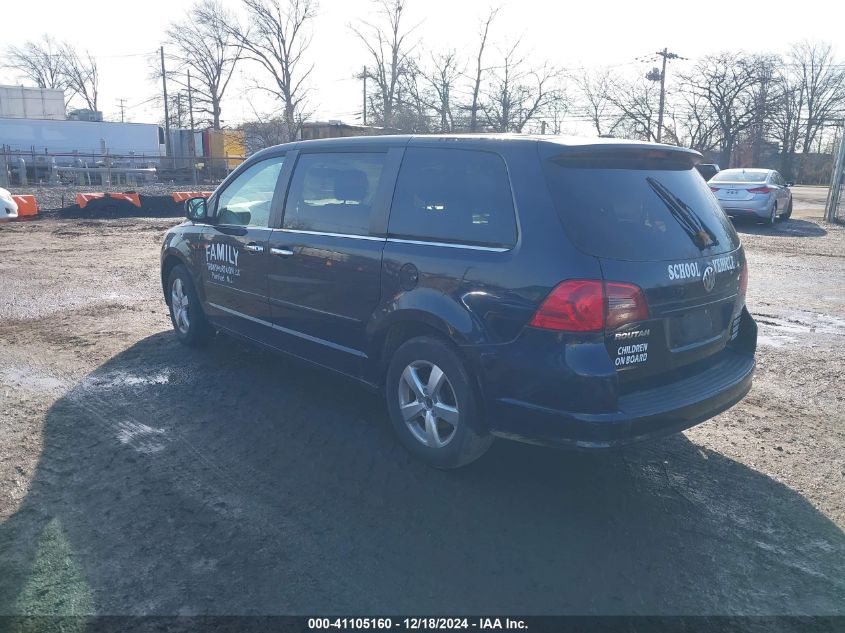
(428, 404)
(179, 304)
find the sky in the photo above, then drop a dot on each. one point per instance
(125, 36)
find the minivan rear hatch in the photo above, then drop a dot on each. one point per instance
(652, 221)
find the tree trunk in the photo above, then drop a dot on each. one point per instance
(215, 113)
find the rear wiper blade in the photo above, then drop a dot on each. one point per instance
(698, 232)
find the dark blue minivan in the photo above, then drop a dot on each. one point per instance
(577, 292)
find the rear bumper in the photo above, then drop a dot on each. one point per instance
(641, 415)
(747, 208)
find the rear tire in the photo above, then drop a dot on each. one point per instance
(773, 216)
(788, 213)
(186, 314)
(433, 405)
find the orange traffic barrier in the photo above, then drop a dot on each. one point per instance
(181, 196)
(82, 199)
(27, 206)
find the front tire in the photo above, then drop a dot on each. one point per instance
(433, 405)
(186, 313)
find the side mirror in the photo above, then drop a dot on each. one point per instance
(196, 209)
(789, 184)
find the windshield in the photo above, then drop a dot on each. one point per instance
(640, 214)
(741, 175)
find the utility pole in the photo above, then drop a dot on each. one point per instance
(192, 143)
(166, 111)
(656, 75)
(122, 106)
(364, 109)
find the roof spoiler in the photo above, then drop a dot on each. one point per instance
(630, 152)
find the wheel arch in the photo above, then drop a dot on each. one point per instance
(403, 325)
(170, 259)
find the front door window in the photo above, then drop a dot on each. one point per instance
(247, 201)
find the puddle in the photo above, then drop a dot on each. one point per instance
(776, 331)
(143, 438)
(803, 323)
(117, 379)
(774, 340)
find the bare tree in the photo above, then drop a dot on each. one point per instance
(786, 120)
(479, 71)
(387, 44)
(277, 38)
(726, 81)
(638, 103)
(517, 94)
(823, 86)
(50, 63)
(442, 79)
(412, 103)
(764, 94)
(41, 61)
(81, 75)
(205, 45)
(594, 88)
(264, 132)
(177, 108)
(690, 122)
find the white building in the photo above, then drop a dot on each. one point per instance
(21, 102)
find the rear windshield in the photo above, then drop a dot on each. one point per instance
(741, 175)
(639, 214)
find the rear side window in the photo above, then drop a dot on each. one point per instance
(333, 193)
(639, 214)
(453, 196)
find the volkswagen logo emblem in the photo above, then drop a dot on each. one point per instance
(709, 278)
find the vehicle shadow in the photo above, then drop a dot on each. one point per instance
(783, 228)
(232, 481)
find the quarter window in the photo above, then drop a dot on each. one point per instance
(247, 200)
(453, 195)
(333, 193)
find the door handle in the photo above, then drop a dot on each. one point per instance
(252, 247)
(281, 252)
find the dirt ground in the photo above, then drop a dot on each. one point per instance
(139, 477)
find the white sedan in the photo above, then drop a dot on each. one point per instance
(8, 206)
(758, 194)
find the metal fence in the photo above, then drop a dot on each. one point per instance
(127, 169)
(835, 207)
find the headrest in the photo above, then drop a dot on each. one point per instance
(351, 184)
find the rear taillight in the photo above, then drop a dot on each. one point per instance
(714, 189)
(760, 190)
(588, 305)
(743, 282)
(576, 305)
(625, 303)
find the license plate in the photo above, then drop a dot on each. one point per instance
(697, 325)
